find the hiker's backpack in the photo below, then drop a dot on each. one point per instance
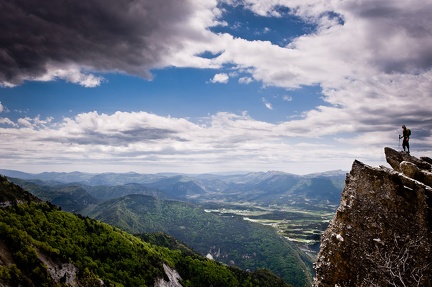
(409, 132)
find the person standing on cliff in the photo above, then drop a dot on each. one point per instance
(406, 133)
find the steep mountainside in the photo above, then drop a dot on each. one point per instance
(11, 194)
(228, 239)
(41, 245)
(70, 197)
(381, 234)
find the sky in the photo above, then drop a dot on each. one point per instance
(206, 86)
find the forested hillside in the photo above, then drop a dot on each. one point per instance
(71, 197)
(296, 207)
(228, 239)
(40, 245)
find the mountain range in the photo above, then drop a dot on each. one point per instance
(262, 188)
(174, 204)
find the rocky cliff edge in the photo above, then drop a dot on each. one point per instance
(381, 232)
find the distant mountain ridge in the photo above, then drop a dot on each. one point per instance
(264, 188)
(84, 178)
(111, 178)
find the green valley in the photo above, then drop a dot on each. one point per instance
(270, 220)
(40, 245)
(301, 226)
(227, 239)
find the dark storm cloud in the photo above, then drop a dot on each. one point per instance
(102, 35)
(400, 34)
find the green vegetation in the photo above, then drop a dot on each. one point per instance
(228, 239)
(10, 193)
(268, 220)
(300, 226)
(261, 276)
(70, 197)
(33, 233)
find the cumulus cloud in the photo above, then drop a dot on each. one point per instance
(70, 74)
(371, 59)
(245, 80)
(1, 107)
(70, 39)
(119, 129)
(374, 37)
(7, 122)
(148, 142)
(220, 78)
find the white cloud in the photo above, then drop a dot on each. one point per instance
(267, 104)
(373, 62)
(25, 122)
(220, 78)
(34, 123)
(1, 107)
(71, 74)
(287, 98)
(245, 80)
(7, 121)
(147, 142)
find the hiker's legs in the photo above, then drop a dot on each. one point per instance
(405, 144)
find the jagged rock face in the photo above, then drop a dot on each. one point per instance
(381, 234)
(173, 278)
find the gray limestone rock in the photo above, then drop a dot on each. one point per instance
(381, 234)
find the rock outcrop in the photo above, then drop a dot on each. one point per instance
(173, 278)
(381, 234)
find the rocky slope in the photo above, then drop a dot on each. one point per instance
(381, 232)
